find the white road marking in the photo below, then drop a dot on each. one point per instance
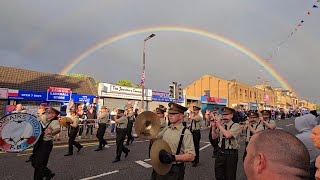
(24, 154)
(289, 125)
(205, 142)
(100, 175)
(204, 147)
(144, 164)
(146, 160)
(279, 128)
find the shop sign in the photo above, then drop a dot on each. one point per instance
(82, 98)
(26, 95)
(163, 96)
(214, 100)
(59, 94)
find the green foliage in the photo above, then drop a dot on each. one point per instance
(124, 83)
(138, 86)
(83, 76)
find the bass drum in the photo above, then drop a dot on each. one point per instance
(18, 132)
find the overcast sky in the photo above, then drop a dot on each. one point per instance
(47, 35)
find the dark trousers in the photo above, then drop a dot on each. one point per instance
(81, 126)
(129, 132)
(89, 128)
(100, 133)
(121, 135)
(176, 173)
(40, 159)
(215, 146)
(226, 165)
(72, 136)
(196, 140)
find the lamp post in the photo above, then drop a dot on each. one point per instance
(144, 67)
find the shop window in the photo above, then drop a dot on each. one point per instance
(250, 94)
(240, 92)
(255, 95)
(245, 93)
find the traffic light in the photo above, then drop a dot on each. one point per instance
(172, 91)
(180, 92)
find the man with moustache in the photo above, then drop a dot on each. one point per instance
(267, 122)
(196, 120)
(74, 129)
(253, 125)
(229, 134)
(121, 123)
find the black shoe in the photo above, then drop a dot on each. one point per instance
(195, 164)
(29, 160)
(68, 154)
(116, 160)
(99, 149)
(50, 176)
(132, 140)
(104, 144)
(127, 153)
(80, 148)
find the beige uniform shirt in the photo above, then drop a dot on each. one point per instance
(163, 123)
(53, 128)
(258, 126)
(272, 122)
(103, 117)
(130, 116)
(122, 122)
(172, 137)
(75, 120)
(196, 122)
(233, 142)
(42, 118)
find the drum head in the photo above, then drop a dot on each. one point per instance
(18, 132)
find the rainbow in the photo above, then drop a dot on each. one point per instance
(202, 33)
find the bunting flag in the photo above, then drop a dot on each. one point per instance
(142, 79)
(297, 27)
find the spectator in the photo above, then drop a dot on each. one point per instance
(317, 176)
(276, 154)
(113, 123)
(305, 124)
(18, 108)
(91, 117)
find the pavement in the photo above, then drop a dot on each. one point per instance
(88, 164)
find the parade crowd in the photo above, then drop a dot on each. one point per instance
(269, 152)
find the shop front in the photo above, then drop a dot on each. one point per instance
(114, 96)
(161, 98)
(253, 106)
(211, 102)
(3, 100)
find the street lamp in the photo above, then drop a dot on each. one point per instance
(144, 66)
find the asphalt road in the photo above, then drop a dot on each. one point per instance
(88, 164)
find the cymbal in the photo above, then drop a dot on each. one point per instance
(147, 125)
(159, 167)
(64, 120)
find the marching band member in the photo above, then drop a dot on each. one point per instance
(74, 129)
(267, 122)
(121, 122)
(103, 116)
(229, 134)
(180, 141)
(253, 125)
(44, 145)
(131, 117)
(196, 121)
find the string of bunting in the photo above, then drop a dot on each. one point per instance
(297, 27)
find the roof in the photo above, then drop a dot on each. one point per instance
(22, 79)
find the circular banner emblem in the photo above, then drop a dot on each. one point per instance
(19, 131)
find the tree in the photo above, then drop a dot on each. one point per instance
(124, 83)
(138, 86)
(83, 76)
(318, 107)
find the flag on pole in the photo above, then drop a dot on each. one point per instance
(142, 79)
(314, 6)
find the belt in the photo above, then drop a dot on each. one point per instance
(121, 128)
(178, 164)
(228, 151)
(198, 130)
